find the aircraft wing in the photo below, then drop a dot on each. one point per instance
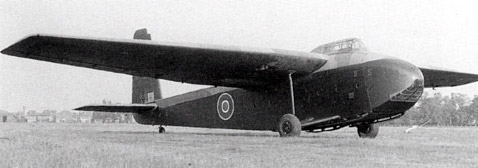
(126, 108)
(436, 77)
(190, 63)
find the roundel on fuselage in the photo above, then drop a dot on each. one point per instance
(225, 106)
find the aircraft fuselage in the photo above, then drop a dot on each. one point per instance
(352, 88)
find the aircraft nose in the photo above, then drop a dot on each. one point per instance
(412, 93)
(395, 86)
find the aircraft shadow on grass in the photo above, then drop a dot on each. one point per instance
(192, 133)
(233, 134)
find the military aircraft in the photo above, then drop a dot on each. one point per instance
(335, 85)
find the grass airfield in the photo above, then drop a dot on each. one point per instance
(132, 145)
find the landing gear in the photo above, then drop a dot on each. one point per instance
(161, 130)
(367, 130)
(289, 126)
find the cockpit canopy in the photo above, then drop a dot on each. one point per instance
(342, 46)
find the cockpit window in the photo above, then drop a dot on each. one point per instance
(342, 46)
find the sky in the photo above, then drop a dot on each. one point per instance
(440, 33)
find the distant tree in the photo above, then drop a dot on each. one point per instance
(429, 109)
(454, 110)
(472, 112)
(462, 103)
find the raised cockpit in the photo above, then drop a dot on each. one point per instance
(342, 46)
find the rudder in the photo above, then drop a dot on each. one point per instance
(145, 89)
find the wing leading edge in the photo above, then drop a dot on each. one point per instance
(190, 63)
(435, 77)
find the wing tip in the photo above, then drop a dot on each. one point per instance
(10, 50)
(4, 51)
(82, 108)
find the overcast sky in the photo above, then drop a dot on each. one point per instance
(437, 33)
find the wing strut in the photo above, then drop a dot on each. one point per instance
(292, 91)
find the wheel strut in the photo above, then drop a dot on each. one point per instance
(291, 85)
(289, 125)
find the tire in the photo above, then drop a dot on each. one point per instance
(161, 130)
(367, 130)
(289, 126)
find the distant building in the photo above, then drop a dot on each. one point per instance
(10, 117)
(83, 116)
(47, 116)
(41, 118)
(65, 117)
(31, 119)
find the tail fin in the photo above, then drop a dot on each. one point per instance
(142, 34)
(145, 89)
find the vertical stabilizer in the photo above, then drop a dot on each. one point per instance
(145, 89)
(142, 34)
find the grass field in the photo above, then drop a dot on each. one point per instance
(131, 145)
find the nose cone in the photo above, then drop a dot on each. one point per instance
(411, 93)
(395, 86)
(410, 82)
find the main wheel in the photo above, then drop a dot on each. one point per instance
(161, 130)
(289, 126)
(367, 130)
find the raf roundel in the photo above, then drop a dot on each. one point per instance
(225, 106)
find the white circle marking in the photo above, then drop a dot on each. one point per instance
(224, 106)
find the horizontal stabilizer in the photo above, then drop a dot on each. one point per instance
(120, 108)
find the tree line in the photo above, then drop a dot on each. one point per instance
(454, 110)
